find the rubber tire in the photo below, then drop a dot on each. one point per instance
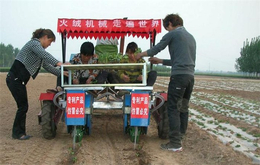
(47, 122)
(163, 125)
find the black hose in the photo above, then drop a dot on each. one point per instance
(159, 105)
(55, 98)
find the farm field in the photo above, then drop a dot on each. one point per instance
(224, 128)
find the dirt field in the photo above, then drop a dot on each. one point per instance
(108, 145)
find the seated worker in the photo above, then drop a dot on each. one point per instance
(87, 56)
(134, 75)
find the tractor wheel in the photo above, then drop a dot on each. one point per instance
(47, 120)
(163, 125)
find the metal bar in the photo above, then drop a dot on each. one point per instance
(62, 77)
(118, 66)
(104, 85)
(144, 76)
(84, 88)
(122, 42)
(152, 43)
(136, 130)
(63, 44)
(148, 88)
(70, 77)
(106, 105)
(154, 37)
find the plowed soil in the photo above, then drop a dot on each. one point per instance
(107, 144)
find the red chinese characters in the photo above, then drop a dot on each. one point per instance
(75, 105)
(86, 27)
(140, 105)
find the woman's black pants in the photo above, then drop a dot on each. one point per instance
(19, 92)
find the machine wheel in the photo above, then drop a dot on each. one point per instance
(47, 120)
(163, 124)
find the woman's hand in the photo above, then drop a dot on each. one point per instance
(60, 63)
(89, 80)
(126, 78)
(66, 73)
(66, 63)
(139, 78)
(75, 81)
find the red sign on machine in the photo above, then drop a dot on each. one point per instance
(75, 105)
(140, 105)
(108, 24)
(98, 28)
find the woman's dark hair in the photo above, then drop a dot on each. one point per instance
(87, 49)
(175, 19)
(39, 33)
(131, 47)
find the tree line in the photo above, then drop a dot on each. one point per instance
(7, 55)
(249, 60)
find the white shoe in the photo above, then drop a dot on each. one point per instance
(167, 146)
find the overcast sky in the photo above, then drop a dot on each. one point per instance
(219, 26)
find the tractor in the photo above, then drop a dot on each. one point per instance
(76, 103)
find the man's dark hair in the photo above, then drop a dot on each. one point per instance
(175, 19)
(131, 47)
(87, 49)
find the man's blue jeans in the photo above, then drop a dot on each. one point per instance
(179, 93)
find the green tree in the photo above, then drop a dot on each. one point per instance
(7, 55)
(249, 61)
